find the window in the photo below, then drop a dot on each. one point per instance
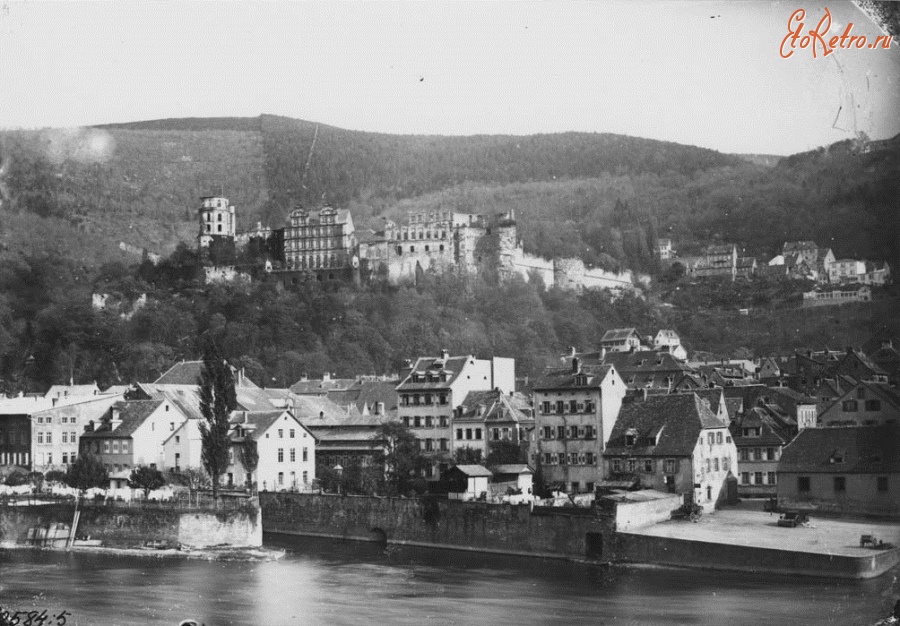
(745, 454)
(802, 483)
(429, 445)
(106, 447)
(40, 438)
(459, 433)
(280, 434)
(573, 406)
(617, 465)
(171, 426)
(873, 405)
(495, 434)
(648, 466)
(745, 478)
(65, 459)
(588, 432)
(281, 455)
(293, 455)
(468, 433)
(547, 458)
(632, 466)
(719, 437)
(589, 406)
(417, 421)
(444, 422)
(726, 464)
(115, 447)
(281, 478)
(716, 464)
(291, 433)
(560, 406)
(757, 478)
(669, 466)
(590, 458)
(849, 406)
(49, 437)
(882, 483)
(771, 478)
(560, 432)
(629, 439)
(444, 445)
(840, 484)
(708, 466)
(545, 407)
(305, 478)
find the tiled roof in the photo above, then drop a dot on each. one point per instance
(497, 406)
(796, 246)
(323, 386)
(644, 361)
(131, 412)
(473, 471)
(262, 420)
(772, 431)
(322, 412)
(433, 367)
(188, 373)
(64, 391)
(733, 406)
(619, 334)
(674, 421)
(512, 469)
(862, 450)
(365, 393)
(564, 377)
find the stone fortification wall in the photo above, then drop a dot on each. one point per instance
(507, 529)
(128, 527)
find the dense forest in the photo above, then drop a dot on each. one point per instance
(69, 198)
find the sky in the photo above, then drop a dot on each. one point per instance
(701, 73)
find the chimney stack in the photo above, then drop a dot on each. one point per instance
(445, 354)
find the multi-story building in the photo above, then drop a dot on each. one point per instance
(217, 219)
(648, 369)
(672, 443)
(664, 249)
(620, 340)
(55, 431)
(759, 435)
(669, 341)
(432, 389)
(863, 404)
(720, 260)
(132, 434)
(576, 409)
(846, 271)
(286, 450)
(842, 470)
(322, 241)
(500, 416)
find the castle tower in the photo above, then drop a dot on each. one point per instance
(507, 242)
(216, 219)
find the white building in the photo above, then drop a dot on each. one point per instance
(669, 341)
(286, 448)
(846, 271)
(217, 219)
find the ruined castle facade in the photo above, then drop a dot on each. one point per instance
(325, 243)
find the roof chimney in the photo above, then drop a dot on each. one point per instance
(572, 351)
(445, 354)
(379, 408)
(576, 365)
(115, 419)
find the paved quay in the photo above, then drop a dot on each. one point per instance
(760, 529)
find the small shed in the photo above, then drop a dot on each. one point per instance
(516, 477)
(468, 482)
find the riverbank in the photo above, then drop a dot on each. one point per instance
(224, 553)
(732, 540)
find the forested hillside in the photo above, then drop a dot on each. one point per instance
(70, 197)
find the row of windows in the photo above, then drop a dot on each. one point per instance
(209, 216)
(433, 445)
(568, 432)
(759, 478)
(470, 433)
(313, 244)
(717, 438)
(427, 421)
(428, 399)
(839, 484)
(713, 464)
(670, 466)
(293, 479)
(413, 249)
(852, 406)
(67, 437)
(315, 262)
(62, 420)
(297, 231)
(66, 458)
(570, 458)
(573, 406)
(292, 455)
(292, 433)
(759, 454)
(407, 235)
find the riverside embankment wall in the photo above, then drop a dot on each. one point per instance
(476, 526)
(638, 548)
(120, 527)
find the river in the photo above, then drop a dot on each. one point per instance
(329, 582)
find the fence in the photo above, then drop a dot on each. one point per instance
(181, 501)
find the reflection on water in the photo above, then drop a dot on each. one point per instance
(324, 582)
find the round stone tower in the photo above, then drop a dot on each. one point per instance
(216, 219)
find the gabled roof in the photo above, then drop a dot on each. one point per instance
(432, 368)
(473, 471)
(496, 406)
(773, 432)
(188, 373)
(323, 386)
(512, 469)
(725, 248)
(365, 393)
(713, 395)
(619, 334)
(674, 422)
(322, 412)
(187, 397)
(133, 413)
(844, 450)
(65, 391)
(566, 377)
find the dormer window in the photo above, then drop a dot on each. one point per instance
(837, 456)
(630, 438)
(581, 380)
